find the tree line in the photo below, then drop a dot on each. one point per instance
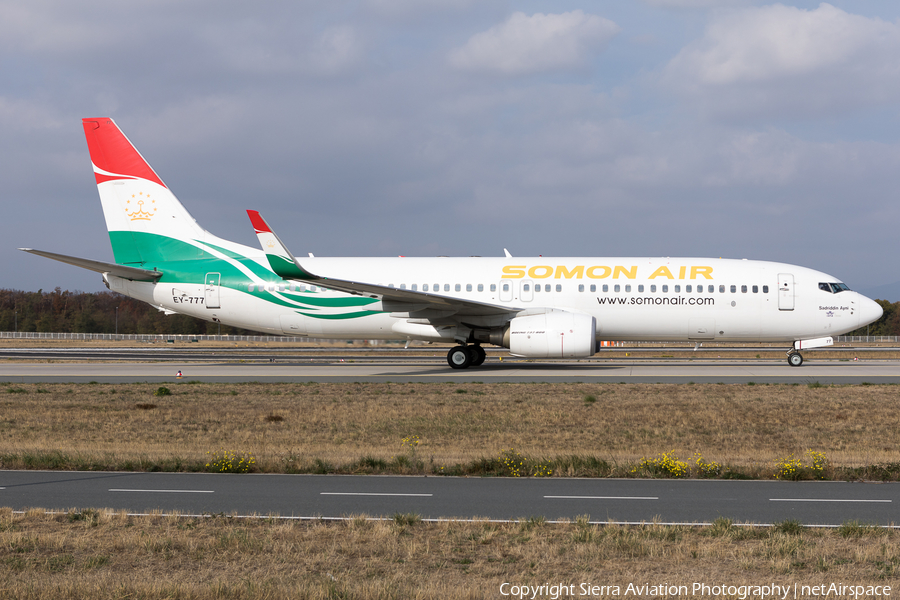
(62, 311)
(107, 312)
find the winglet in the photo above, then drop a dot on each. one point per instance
(280, 258)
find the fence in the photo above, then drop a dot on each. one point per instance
(151, 337)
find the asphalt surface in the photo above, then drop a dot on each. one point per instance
(307, 496)
(335, 496)
(126, 367)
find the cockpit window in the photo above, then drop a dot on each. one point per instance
(833, 288)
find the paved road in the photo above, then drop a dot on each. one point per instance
(669, 501)
(424, 370)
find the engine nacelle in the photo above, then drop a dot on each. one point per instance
(554, 334)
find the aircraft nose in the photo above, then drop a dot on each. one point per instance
(869, 311)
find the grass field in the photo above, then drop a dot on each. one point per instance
(99, 555)
(568, 429)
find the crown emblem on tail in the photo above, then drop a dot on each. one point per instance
(138, 213)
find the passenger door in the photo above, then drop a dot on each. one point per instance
(785, 291)
(211, 290)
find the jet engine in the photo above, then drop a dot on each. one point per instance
(553, 334)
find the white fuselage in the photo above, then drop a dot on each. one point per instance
(684, 299)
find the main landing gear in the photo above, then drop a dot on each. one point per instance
(463, 357)
(794, 358)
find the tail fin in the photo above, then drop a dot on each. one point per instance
(146, 222)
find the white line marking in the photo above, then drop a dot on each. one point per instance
(368, 494)
(606, 497)
(166, 491)
(821, 500)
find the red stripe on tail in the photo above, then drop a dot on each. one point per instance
(259, 224)
(111, 151)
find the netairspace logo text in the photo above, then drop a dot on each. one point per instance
(555, 591)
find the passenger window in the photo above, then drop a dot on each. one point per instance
(457, 287)
(437, 287)
(251, 287)
(593, 288)
(580, 287)
(468, 287)
(653, 289)
(616, 288)
(480, 287)
(627, 288)
(446, 287)
(734, 289)
(312, 288)
(493, 287)
(688, 288)
(765, 289)
(677, 289)
(302, 288)
(665, 289)
(402, 286)
(526, 287)
(558, 287)
(721, 289)
(537, 288)
(424, 287)
(414, 287)
(390, 285)
(755, 289)
(605, 288)
(505, 287)
(547, 288)
(743, 289)
(640, 288)
(711, 289)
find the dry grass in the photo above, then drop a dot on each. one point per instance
(291, 427)
(99, 555)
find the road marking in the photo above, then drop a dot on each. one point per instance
(606, 497)
(369, 494)
(165, 491)
(822, 500)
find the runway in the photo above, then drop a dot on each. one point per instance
(604, 500)
(333, 496)
(212, 367)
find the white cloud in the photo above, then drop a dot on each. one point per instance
(532, 44)
(692, 3)
(779, 57)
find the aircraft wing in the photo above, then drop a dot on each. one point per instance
(122, 271)
(287, 266)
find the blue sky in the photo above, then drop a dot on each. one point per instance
(459, 127)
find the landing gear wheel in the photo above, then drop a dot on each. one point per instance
(477, 355)
(459, 357)
(795, 359)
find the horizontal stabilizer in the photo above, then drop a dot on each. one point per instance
(122, 271)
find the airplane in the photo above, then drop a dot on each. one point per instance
(536, 307)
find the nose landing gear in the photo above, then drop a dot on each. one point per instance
(794, 358)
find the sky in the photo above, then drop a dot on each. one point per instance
(714, 128)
